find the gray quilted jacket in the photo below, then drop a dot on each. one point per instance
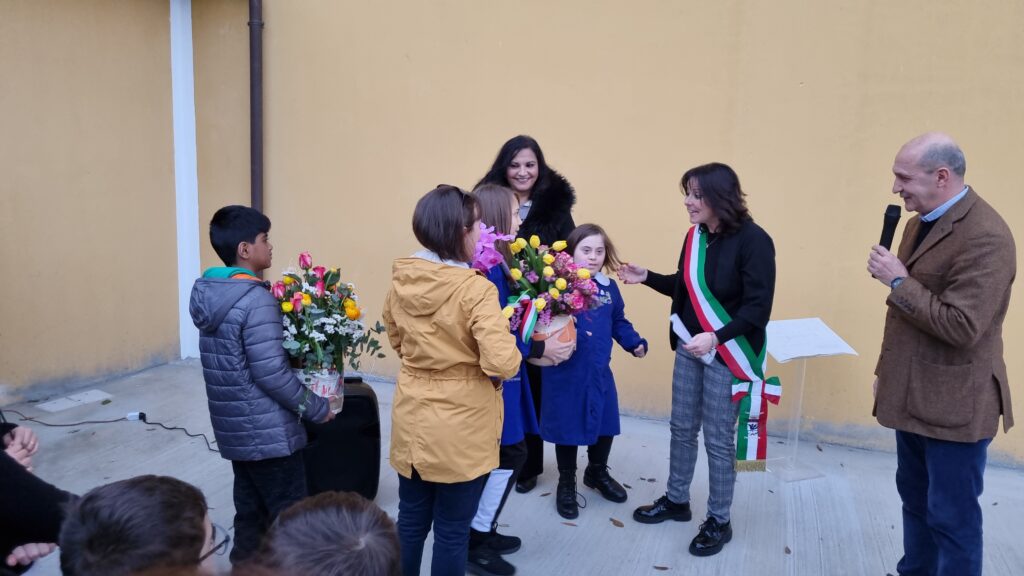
(253, 396)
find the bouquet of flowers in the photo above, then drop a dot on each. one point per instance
(553, 289)
(322, 326)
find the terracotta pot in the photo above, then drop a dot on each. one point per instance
(561, 327)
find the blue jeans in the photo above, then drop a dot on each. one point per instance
(450, 508)
(940, 482)
(702, 398)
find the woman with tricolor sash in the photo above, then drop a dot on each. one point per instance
(722, 297)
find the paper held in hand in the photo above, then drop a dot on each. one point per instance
(685, 336)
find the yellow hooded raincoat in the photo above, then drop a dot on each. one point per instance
(446, 326)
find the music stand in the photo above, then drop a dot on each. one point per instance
(799, 339)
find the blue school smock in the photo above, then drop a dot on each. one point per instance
(579, 400)
(520, 415)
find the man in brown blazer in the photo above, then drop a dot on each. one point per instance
(941, 380)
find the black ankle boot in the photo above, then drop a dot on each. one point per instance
(597, 477)
(565, 494)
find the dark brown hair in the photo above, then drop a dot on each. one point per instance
(132, 526)
(332, 534)
(442, 218)
(494, 201)
(720, 188)
(583, 231)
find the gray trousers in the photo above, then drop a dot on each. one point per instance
(702, 397)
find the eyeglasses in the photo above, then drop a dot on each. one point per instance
(220, 538)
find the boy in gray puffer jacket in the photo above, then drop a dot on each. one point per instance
(255, 400)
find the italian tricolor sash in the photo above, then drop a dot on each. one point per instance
(750, 388)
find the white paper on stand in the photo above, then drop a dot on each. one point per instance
(804, 338)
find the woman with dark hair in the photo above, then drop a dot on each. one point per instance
(445, 325)
(545, 196)
(722, 294)
(545, 208)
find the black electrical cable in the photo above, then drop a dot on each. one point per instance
(36, 421)
(142, 417)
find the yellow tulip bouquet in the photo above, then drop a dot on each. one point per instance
(551, 285)
(322, 319)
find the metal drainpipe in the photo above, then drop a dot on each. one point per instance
(256, 101)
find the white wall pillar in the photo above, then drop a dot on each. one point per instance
(186, 179)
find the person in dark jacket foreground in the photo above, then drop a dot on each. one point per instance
(255, 400)
(31, 509)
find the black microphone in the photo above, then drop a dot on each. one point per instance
(892, 218)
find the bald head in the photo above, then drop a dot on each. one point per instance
(935, 150)
(929, 171)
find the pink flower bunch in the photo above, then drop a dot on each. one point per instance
(486, 256)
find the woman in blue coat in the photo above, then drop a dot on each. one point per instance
(580, 405)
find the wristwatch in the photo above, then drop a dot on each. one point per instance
(896, 282)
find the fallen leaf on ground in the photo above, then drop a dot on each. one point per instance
(818, 446)
(617, 523)
(568, 523)
(662, 568)
(545, 494)
(772, 491)
(995, 503)
(627, 485)
(651, 480)
(106, 401)
(788, 551)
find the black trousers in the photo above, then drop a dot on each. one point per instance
(534, 465)
(597, 453)
(263, 489)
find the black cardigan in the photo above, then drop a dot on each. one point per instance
(32, 509)
(740, 271)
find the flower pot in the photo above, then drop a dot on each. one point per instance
(561, 327)
(328, 384)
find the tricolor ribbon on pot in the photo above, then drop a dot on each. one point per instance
(750, 388)
(530, 314)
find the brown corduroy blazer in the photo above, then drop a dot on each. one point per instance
(941, 372)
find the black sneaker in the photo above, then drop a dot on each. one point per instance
(662, 509)
(503, 544)
(484, 561)
(711, 538)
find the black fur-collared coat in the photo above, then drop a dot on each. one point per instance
(550, 216)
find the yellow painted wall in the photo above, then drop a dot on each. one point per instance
(87, 232)
(370, 104)
(220, 43)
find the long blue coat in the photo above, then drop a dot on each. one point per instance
(579, 400)
(520, 415)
